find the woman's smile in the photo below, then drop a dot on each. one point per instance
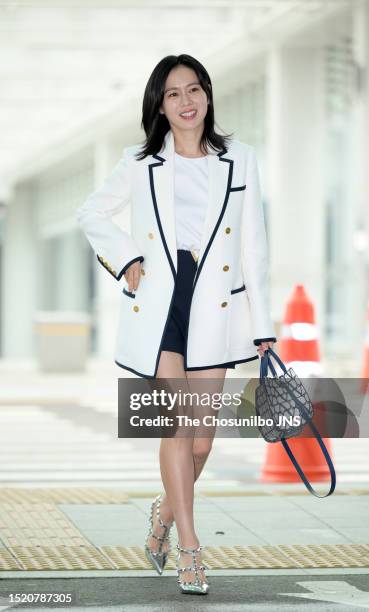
(188, 115)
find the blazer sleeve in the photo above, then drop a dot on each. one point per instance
(115, 249)
(255, 255)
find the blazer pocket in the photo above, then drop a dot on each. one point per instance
(129, 293)
(242, 288)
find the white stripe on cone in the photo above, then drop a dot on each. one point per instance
(300, 331)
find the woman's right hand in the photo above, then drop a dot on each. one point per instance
(133, 275)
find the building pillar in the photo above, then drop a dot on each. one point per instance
(359, 186)
(295, 174)
(72, 263)
(19, 276)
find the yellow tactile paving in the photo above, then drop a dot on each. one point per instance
(87, 557)
(41, 537)
(67, 495)
(69, 557)
(336, 555)
(33, 525)
(245, 557)
(71, 495)
(127, 557)
(7, 561)
(253, 557)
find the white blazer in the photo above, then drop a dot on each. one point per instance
(229, 312)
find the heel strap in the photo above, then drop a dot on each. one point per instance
(189, 550)
(160, 538)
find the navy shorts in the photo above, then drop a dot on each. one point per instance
(174, 337)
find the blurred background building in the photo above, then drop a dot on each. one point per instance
(289, 77)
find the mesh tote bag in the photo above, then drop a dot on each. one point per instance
(277, 400)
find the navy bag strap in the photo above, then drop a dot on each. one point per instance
(264, 365)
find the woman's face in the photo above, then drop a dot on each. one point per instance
(183, 93)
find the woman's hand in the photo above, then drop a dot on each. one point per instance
(264, 346)
(133, 275)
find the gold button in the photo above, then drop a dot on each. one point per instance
(151, 235)
(227, 230)
(225, 268)
(136, 308)
(142, 272)
(114, 272)
(224, 304)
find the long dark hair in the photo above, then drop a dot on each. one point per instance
(156, 125)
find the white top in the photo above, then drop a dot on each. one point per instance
(191, 193)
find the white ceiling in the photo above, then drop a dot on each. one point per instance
(64, 61)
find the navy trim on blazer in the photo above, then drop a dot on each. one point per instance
(153, 195)
(119, 276)
(242, 188)
(258, 341)
(172, 267)
(121, 365)
(242, 288)
(199, 268)
(139, 258)
(150, 377)
(129, 293)
(222, 365)
(229, 183)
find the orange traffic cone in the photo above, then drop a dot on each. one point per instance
(364, 386)
(279, 468)
(299, 349)
(299, 337)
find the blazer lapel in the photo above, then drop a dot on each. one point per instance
(162, 191)
(219, 180)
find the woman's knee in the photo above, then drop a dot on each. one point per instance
(201, 448)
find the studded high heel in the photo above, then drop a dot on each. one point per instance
(158, 558)
(198, 587)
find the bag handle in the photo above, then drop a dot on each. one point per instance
(263, 367)
(272, 353)
(300, 470)
(265, 362)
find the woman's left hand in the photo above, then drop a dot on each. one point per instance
(264, 346)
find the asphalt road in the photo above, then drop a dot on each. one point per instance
(326, 593)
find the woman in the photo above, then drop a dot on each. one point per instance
(198, 193)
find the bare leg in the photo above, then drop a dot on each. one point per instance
(176, 467)
(201, 449)
(181, 461)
